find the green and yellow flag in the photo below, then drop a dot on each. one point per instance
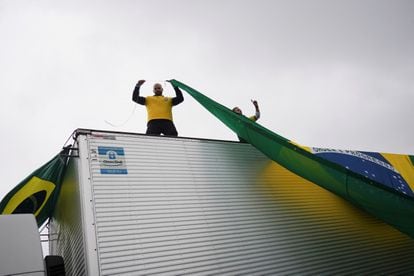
(37, 193)
(381, 184)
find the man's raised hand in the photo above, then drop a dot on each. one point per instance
(140, 82)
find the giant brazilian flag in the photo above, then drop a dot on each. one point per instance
(37, 193)
(381, 184)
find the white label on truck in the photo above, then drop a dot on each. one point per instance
(112, 160)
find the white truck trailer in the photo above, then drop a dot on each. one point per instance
(133, 204)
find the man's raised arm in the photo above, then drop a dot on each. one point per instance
(178, 96)
(135, 95)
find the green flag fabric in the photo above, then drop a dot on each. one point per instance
(37, 193)
(390, 200)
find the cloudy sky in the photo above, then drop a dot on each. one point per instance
(326, 73)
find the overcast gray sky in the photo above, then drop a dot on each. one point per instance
(326, 73)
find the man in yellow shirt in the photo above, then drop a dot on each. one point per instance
(159, 109)
(255, 117)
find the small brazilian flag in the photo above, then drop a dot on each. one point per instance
(37, 193)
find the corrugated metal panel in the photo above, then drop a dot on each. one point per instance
(66, 232)
(190, 206)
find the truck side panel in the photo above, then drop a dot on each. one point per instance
(66, 230)
(173, 206)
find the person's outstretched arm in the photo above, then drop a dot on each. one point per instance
(178, 96)
(256, 106)
(135, 95)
